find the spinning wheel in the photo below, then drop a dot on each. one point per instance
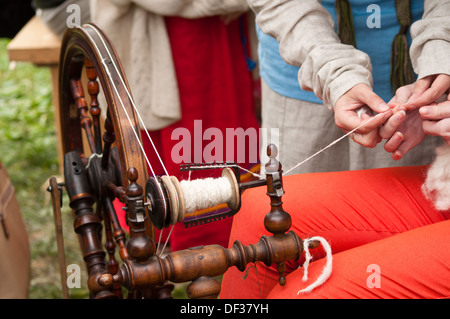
(107, 163)
(96, 158)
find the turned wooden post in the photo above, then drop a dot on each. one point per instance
(277, 221)
(140, 247)
(87, 224)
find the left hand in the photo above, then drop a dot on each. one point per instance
(423, 115)
(403, 130)
(409, 133)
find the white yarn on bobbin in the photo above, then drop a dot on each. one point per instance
(326, 272)
(207, 192)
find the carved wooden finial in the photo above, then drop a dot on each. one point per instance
(132, 174)
(133, 189)
(273, 165)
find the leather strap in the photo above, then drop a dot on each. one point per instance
(7, 193)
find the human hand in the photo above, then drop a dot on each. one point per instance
(436, 119)
(428, 90)
(409, 133)
(403, 130)
(347, 118)
(417, 115)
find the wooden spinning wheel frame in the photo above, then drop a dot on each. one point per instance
(103, 163)
(89, 46)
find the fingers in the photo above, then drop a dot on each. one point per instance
(403, 94)
(428, 90)
(436, 119)
(369, 140)
(435, 111)
(438, 128)
(347, 116)
(392, 125)
(394, 142)
(398, 145)
(349, 120)
(366, 136)
(421, 86)
(373, 101)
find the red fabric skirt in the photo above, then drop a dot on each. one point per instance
(373, 220)
(216, 91)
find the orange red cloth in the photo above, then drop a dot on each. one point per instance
(374, 220)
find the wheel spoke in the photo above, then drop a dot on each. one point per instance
(85, 120)
(108, 139)
(93, 89)
(119, 234)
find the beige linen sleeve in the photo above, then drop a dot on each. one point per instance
(188, 8)
(305, 31)
(430, 48)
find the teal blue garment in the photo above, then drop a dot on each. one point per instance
(376, 42)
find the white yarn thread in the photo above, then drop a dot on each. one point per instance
(91, 157)
(326, 272)
(336, 141)
(203, 193)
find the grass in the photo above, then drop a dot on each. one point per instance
(28, 150)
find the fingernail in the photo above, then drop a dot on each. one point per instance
(399, 136)
(386, 116)
(384, 107)
(396, 156)
(425, 110)
(400, 115)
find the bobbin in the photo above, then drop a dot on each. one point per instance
(168, 201)
(158, 209)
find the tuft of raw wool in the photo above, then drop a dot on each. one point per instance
(436, 187)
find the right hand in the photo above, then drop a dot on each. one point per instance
(436, 119)
(428, 90)
(347, 119)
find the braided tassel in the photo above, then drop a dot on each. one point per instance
(346, 30)
(401, 66)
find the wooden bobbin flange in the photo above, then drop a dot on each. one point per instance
(235, 193)
(159, 209)
(173, 199)
(181, 201)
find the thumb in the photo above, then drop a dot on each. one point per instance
(373, 101)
